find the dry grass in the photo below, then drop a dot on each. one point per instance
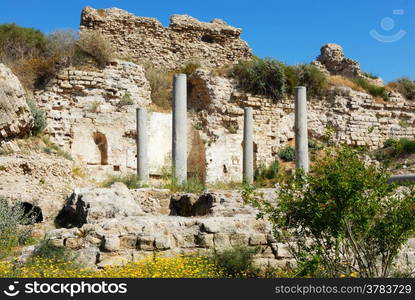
(343, 81)
(161, 82)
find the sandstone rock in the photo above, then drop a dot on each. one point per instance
(89, 205)
(15, 117)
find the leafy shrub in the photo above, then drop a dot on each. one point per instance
(266, 175)
(374, 90)
(405, 86)
(403, 146)
(235, 262)
(18, 42)
(97, 46)
(291, 78)
(287, 153)
(39, 118)
(258, 76)
(130, 180)
(342, 217)
(11, 233)
(389, 143)
(312, 78)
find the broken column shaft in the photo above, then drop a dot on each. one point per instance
(301, 134)
(179, 140)
(142, 145)
(248, 147)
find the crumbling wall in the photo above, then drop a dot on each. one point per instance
(354, 117)
(332, 61)
(145, 39)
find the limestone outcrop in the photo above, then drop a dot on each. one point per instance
(15, 117)
(186, 39)
(86, 205)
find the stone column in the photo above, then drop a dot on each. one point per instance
(142, 145)
(248, 147)
(301, 135)
(179, 140)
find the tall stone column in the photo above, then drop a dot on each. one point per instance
(248, 146)
(179, 140)
(301, 134)
(142, 145)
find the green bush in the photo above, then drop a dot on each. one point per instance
(291, 79)
(39, 120)
(287, 153)
(266, 175)
(235, 262)
(18, 42)
(12, 234)
(264, 77)
(374, 90)
(403, 146)
(405, 86)
(342, 218)
(313, 79)
(130, 180)
(389, 143)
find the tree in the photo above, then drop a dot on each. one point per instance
(342, 218)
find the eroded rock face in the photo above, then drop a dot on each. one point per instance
(15, 117)
(212, 44)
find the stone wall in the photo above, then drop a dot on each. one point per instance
(115, 230)
(355, 118)
(186, 39)
(332, 61)
(111, 234)
(84, 116)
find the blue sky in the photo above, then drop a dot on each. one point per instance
(291, 31)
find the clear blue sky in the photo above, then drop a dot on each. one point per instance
(291, 31)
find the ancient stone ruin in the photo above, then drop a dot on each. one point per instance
(92, 116)
(186, 39)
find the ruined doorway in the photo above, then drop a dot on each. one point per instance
(101, 141)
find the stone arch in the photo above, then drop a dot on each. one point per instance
(101, 141)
